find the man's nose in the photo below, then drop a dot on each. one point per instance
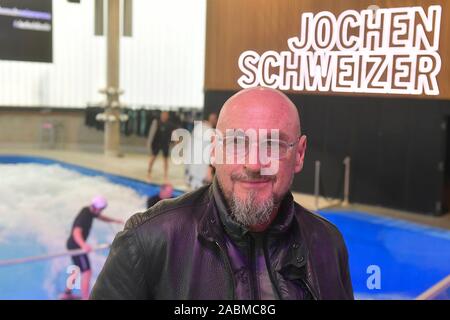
(253, 167)
(253, 161)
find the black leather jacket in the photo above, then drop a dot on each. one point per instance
(177, 250)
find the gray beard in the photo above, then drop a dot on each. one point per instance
(248, 212)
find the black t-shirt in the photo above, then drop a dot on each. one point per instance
(84, 221)
(163, 133)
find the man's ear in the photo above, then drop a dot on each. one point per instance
(300, 154)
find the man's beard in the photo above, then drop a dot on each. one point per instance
(249, 212)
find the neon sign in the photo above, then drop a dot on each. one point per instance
(390, 51)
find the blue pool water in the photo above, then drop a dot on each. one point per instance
(410, 257)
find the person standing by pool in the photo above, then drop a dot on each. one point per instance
(80, 231)
(159, 138)
(199, 174)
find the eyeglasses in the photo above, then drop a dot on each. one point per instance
(240, 146)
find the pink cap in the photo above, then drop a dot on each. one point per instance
(99, 202)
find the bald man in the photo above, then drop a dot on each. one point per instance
(241, 237)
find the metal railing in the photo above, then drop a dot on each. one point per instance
(10, 262)
(346, 186)
(440, 291)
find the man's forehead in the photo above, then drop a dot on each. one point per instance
(259, 108)
(245, 120)
(258, 114)
(257, 132)
(248, 106)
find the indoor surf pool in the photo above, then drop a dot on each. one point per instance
(39, 199)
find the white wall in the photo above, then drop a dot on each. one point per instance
(162, 64)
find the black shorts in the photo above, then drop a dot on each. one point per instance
(82, 262)
(158, 147)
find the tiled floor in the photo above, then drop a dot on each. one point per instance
(135, 166)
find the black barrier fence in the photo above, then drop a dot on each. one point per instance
(139, 119)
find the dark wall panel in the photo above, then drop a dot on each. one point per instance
(365, 175)
(427, 140)
(393, 139)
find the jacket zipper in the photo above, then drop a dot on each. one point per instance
(269, 268)
(230, 270)
(314, 296)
